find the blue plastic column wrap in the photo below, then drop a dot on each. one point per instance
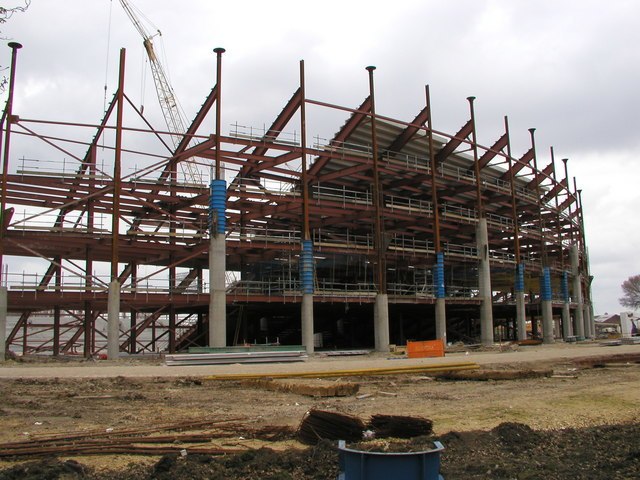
(565, 286)
(438, 276)
(218, 206)
(306, 266)
(545, 284)
(519, 283)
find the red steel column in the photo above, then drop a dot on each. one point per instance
(521, 311)
(306, 254)
(482, 243)
(113, 307)
(3, 202)
(381, 306)
(5, 159)
(440, 307)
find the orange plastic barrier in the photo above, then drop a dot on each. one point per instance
(428, 348)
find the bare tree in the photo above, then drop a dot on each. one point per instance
(631, 290)
(5, 14)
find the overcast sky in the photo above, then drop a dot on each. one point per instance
(569, 68)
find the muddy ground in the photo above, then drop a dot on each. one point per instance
(581, 422)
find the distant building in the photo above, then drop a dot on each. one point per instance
(608, 325)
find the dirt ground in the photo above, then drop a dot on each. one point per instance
(580, 422)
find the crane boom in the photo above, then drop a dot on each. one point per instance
(166, 95)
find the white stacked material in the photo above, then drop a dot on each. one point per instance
(233, 357)
(630, 340)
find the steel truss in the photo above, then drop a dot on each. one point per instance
(119, 205)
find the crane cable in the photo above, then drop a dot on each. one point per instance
(143, 80)
(106, 70)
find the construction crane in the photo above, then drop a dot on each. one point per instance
(166, 95)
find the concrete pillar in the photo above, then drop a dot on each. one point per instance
(441, 320)
(381, 322)
(307, 322)
(440, 294)
(3, 322)
(577, 291)
(521, 310)
(625, 325)
(592, 317)
(521, 316)
(588, 331)
(113, 321)
(307, 286)
(484, 284)
(217, 291)
(567, 327)
(547, 309)
(547, 322)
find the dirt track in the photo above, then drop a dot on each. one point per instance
(541, 354)
(519, 418)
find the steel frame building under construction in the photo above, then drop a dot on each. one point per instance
(388, 231)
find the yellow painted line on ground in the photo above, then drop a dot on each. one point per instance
(445, 367)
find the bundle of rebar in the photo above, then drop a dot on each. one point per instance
(321, 424)
(144, 441)
(399, 426)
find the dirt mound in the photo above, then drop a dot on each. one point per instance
(50, 469)
(317, 463)
(516, 436)
(511, 450)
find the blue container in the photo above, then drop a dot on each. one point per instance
(361, 465)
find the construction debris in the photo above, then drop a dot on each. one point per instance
(319, 424)
(484, 375)
(344, 353)
(387, 394)
(144, 441)
(529, 342)
(599, 361)
(364, 395)
(399, 426)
